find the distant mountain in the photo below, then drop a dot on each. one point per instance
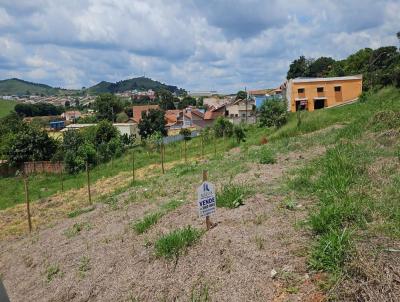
(20, 87)
(140, 83)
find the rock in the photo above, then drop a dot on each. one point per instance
(273, 273)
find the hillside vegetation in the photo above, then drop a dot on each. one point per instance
(21, 87)
(6, 107)
(140, 83)
(311, 215)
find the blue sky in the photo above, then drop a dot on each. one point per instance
(195, 44)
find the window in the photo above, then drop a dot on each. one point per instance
(338, 88)
(320, 89)
(300, 90)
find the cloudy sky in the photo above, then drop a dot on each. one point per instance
(196, 44)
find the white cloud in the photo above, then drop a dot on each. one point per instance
(219, 44)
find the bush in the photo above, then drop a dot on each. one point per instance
(239, 134)
(273, 113)
(176, 242)
(266, 156)
(223, 127)
(231, 196)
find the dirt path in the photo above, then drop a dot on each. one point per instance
(256, 253)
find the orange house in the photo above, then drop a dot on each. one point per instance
(316, 93)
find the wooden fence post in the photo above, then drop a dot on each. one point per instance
(208, 221)
(133, 167)
(162, 157)
(88, 182)
(185, 152)
(27, 202)
(62, 177)
(202, 146)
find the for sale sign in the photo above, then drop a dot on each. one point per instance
(206, 199)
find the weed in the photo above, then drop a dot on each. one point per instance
(289, 203)
(172, 205)
(143, 225)
(176, 242)
(266, 156)
(184, 169)
(78, 212)
(231, 196)
(259, 242)
(52, 271)
(260, 218)
(77, 228)
(331, 251)
(84, 265)
(200, 295)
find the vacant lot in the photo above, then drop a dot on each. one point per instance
(311, 215)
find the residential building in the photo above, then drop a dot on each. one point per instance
(71, 116)
(123, 128)
(137, 111)
(214, 101)
(316, 93)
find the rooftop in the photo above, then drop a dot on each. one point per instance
(346, 78)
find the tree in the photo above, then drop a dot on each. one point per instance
(239, 134)
(105, 132)
(273, 113)
(107, 107)
(122, 117)
(166, 100)
(223, 127)
(241, 95)
(186, 102)
(30, 144)
(297, 68)
(320, 67)
(67, 104)
(187, 135)
(152, 121)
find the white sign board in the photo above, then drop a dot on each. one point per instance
(206, 199)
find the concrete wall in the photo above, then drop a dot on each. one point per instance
(350, 90)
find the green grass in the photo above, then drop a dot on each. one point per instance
(6, 106)
(266, 156)
(151, 219)
(176, 242)
(78, 212)
(44, 185)
(52, 271)
(231, 196)
(144, 224)
(351, 198)
(77, 228)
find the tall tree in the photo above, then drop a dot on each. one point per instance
(107, 107)
(298, 68)
(166, 100)
(320, 67)
(152, 121)
(241, 95)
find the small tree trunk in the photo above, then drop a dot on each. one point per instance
(162, 157)
(88, 182)
(27, 202)
(185, 153)
(133, 167)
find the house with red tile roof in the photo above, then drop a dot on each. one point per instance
(138, 110)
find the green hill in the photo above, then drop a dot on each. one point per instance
(6, 106)
(21, 87)
(140, 83)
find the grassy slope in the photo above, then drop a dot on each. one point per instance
(6, 107)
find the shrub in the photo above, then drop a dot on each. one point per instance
(52, 271)
(231, 196)
(239, 134)
(273, 113)
(266, 156)
(176, 242)
(223, 127)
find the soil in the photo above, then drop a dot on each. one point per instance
(255, 253)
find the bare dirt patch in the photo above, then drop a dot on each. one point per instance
(254, 254)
